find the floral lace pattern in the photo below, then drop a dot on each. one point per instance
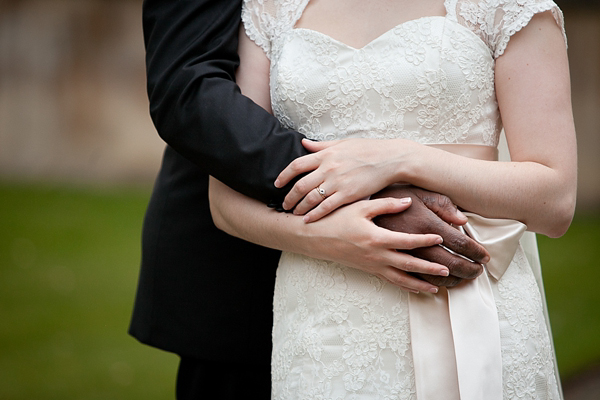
(340, 333)
(527, 355)
(447, 97)
(495, 21)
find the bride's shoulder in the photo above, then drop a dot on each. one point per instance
(266, 19)
(496, 21)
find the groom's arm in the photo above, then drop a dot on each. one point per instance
(198, 110)
(191, 58)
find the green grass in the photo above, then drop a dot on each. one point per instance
(571, 269)
(68, 269)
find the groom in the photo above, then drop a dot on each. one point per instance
(203, 294)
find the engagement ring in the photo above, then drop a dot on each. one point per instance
(321, 192)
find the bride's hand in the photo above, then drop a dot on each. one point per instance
(346, 170)
(349, 236)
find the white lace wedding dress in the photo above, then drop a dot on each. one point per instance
(340, 333)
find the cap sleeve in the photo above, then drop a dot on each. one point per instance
(258, 17)
(266, 20)
(496, 21)
(512, 16)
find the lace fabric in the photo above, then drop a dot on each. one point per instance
(494, 21)
(340, 333)
(327, 90)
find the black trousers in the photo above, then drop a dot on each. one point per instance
(208, 379)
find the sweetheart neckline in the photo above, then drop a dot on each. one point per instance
(384, 34)
(449, 6)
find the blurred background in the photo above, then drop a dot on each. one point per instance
(78, 154)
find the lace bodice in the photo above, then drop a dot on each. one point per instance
(430, 80)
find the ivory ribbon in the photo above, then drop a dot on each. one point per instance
(455, 333)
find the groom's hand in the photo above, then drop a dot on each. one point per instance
(433, 213)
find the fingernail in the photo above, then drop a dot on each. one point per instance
(439, 240)
(306, 218)
(405, 200)
(485, 260)
(277, 183)
(414, 291)
(433, 290)
(458, 213)
(444, 272)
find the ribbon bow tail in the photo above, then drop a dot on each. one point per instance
(455, 334)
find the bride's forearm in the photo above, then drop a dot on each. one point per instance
(251, 220)
(347, 236)
(541, 196)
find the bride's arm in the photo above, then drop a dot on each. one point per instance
(347, 236)
(538, 187)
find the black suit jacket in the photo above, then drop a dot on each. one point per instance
(201, 292)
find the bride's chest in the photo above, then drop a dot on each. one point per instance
(426, 58)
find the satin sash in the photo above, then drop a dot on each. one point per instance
(455, 333)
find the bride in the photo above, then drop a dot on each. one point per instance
(438, 80)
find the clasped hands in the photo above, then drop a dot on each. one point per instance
(350, 171)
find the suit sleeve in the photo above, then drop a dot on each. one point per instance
(196, 107)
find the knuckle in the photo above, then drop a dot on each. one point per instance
(428, 198)
(376, 240)
(294, 166)
(293, 195)
(409, 266)
(467, 247)
(301, 186)
(447, 281)
(473, 270)
(335, 165)
(451, 281)
(396, 278)
(460, 242)
(444, 201)
(455, 263)
(463, 268)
